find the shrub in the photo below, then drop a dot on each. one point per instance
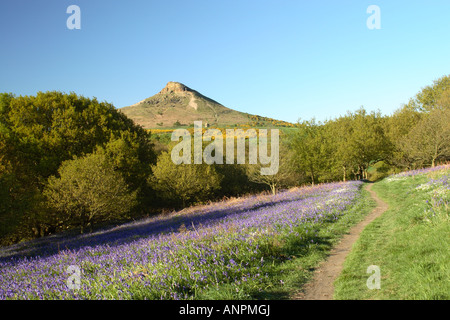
(87, 191)
(184, 182)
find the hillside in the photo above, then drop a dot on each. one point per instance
(178, 105)
(231, 249)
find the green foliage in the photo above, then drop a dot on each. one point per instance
(185, 183)
(235, 180)
(415, 135)
(344, 147)
(419, 130)
(379, 171)
(17, 195)
(368, 140)
(444, 100)
(88, 190)
(53, 127)
(131, 155)
(6, 188)
(430, 96)
(397, 128)
(38, 133)
(5, 100)
(429, 140)
(310, 149)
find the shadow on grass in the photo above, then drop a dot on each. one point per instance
(130, 232)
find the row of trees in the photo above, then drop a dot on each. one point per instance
(416, 135)
(340, 149)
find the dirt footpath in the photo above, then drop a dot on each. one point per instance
(321, 286)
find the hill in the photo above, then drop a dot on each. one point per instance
(178, 105)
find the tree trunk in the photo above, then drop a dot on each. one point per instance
(83, 222)
(273, 187)
(433, 161)
(345, 173)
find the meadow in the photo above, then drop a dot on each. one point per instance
(226, 250)
(409, 242)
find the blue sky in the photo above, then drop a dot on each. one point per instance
(286, 59)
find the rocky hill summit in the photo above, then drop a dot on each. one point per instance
(175, 87)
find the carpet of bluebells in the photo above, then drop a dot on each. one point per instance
(174, 256)
(432, 185)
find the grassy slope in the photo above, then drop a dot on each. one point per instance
(285, 277)
(412, 253)
(289, 259)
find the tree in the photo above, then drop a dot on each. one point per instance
(427, 99)
(368, 140)
(420, 129)
(429, 140)
(43, 131)
(309, 146)
(87, 191)
(131, 155)
(235, 180)
(6, 185)
(444, 100)
(397, 128)
(53, 127)
(285, 177)
(184, 182)
(17, 195)
(342, 157)
(340, 147)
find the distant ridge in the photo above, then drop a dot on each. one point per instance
(178, 105)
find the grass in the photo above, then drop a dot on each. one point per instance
(409, 243)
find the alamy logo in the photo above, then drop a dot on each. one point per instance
(74, 280)
(213, 152)
(374, 21)
(374, 281)
(74, 20)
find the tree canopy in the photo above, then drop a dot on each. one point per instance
(39, 133)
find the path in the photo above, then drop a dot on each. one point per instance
(321, 286)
